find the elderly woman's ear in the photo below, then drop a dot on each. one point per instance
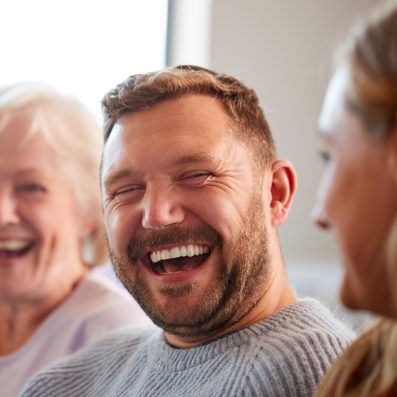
(88, 227)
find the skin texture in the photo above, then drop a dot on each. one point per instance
(357, 198)
(37, 204)
(175, 174)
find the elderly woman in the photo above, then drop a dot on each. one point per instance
(358, 199)
(51, 303)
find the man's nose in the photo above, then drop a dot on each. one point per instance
(8, 209)
(161, 208)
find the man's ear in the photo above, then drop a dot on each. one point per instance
(283, 189)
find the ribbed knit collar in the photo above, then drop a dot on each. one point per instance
(166, 358)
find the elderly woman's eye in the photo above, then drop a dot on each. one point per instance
(32, 188)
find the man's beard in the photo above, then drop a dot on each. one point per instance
(241, 279)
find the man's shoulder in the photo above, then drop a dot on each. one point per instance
(293, 349)
(307, 321)
(314, 317)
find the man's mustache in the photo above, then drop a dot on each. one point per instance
(174, 235)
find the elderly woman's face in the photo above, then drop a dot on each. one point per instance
(357, 199)
(40, 224)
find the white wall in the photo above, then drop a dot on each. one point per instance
(83, 48)
(283, 49)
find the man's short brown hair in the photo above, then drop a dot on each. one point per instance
(142, 91)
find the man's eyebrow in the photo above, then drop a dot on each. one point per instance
(195, 158)
(113, 178)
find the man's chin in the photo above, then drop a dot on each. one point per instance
(181, 320)
(189, 330)
(191, 320)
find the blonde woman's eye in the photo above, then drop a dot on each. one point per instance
(325, 156)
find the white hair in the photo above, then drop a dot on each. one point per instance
(73, 133)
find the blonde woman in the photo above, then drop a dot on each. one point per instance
(358, 200)
(51, 301)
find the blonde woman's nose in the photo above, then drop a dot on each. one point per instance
(320, 217)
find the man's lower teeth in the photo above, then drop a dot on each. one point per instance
(178, 271)
(160, 269)
(163, 271)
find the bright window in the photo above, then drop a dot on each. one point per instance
(83, 47)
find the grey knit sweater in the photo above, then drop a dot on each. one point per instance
(284, 355)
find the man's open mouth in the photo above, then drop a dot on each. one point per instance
(177, 259)
(13, 248)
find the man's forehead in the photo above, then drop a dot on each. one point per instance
(121, 149)
(123, 161)
(195, 104)
(190, 129)
(190, 114)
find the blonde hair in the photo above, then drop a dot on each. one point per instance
(73, 133)
(142, 91)
(369, 366)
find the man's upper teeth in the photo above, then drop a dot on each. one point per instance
(177, 252)
(13, 245)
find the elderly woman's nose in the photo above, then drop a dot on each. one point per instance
(8, 208)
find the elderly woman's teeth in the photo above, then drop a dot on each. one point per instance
(14, 245)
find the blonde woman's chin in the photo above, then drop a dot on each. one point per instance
(358, 297)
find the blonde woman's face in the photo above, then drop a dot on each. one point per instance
(40, 223)
(357, 199)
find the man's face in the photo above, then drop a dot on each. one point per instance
(185, 215)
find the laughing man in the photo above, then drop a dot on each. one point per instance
(193, 196)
